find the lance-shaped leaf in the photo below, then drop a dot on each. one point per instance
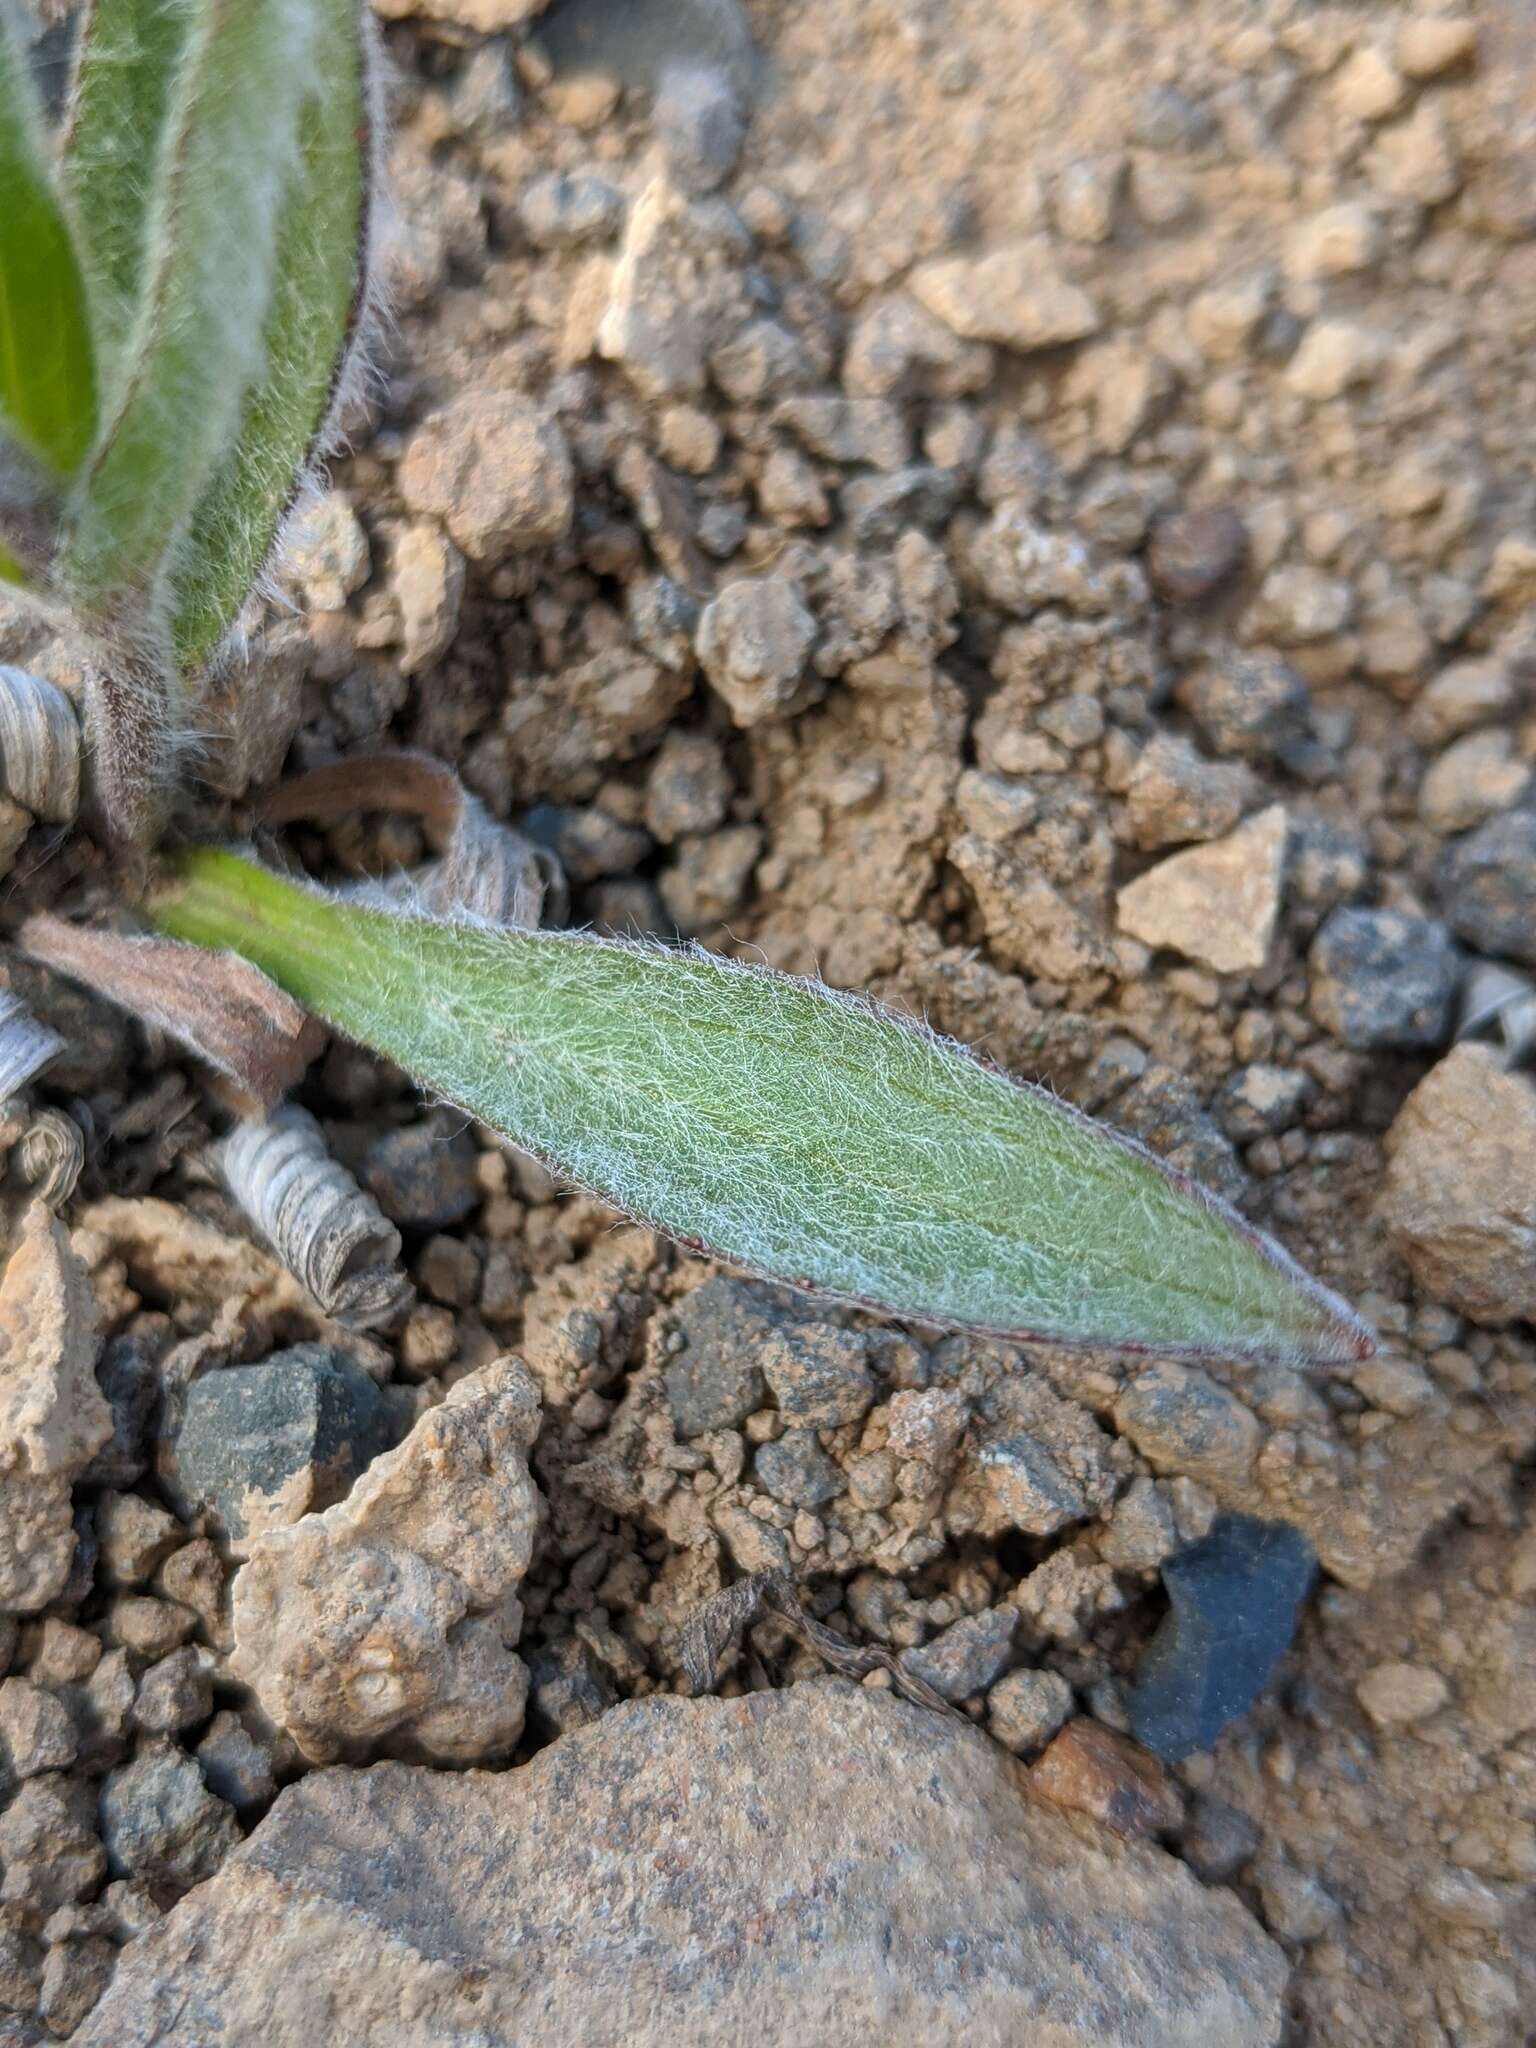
(198, 340)
(319, 290)
(796, 1132)
(47, 368)
(127, 62)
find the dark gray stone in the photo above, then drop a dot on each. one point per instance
(1218, 1840)
(236, 1767)
(1253, 705)
(561, 209)
(700, 124)
(1195, 550)
(796, 1470)
(127, 1373)
(819, 1374)
(968, 1656)
(567, 1688)
(1234, 1598)
(261, 1445)
(1488, 886)
(717, 1380)
(1164, 1110)
(1167, 119)
(423, 1175)
(879, 508)
(1383, 979)
(160, 1821)
(1260, 1099)
(588, 841)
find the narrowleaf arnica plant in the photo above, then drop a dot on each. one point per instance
(181, 287)
(183, 292)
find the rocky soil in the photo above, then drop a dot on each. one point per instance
(1026, 509)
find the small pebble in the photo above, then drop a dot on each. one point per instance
(1401, 1695)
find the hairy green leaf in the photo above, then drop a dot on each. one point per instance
(198, 340)
(799, 1133)
(127, 58)
(47, 369)
(317, 295)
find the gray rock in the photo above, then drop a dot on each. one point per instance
(762, 359)
(1383, 979)
(1175, 795)
(556, 1900)
(1458, 1196)
(819, 1374)
(721, 529)
(37, 1732)
(100, 1709)
(880, 508)
(1014, 1482)
(1193, 552)
(1164, 1110)
(1025, 1709)
(567, 1688)
(128, 1376)
(175, 1693)
(1255, 704)
(898, 349)
(701, 125)
(1142, 1530)
(423, 1175)
(796, 1470)
(1260, 1099)
(50, 1854)
(21, 1969)
(393, 1613)
(75, 1973)
(1167, 119)
(663, 618)
(858, 432)
(260, 1445)
(1487, 883)
(1297, 1906)
(236, 1767)
(675, 291)
(1234, 1600)
(1218, 1840)
(1182, 1421)
(562, 209)
(688, 788)
(160, 1821)
(968, 1655)
(717, 1380)
(754, 644)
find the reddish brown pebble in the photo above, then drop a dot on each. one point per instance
(1191, 554)
(1092, 1770)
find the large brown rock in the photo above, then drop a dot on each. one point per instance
(53, 1417)
(1460, 1198)
(825, 1864)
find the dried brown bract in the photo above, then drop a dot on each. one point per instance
(484, 868)
(222, 1009)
